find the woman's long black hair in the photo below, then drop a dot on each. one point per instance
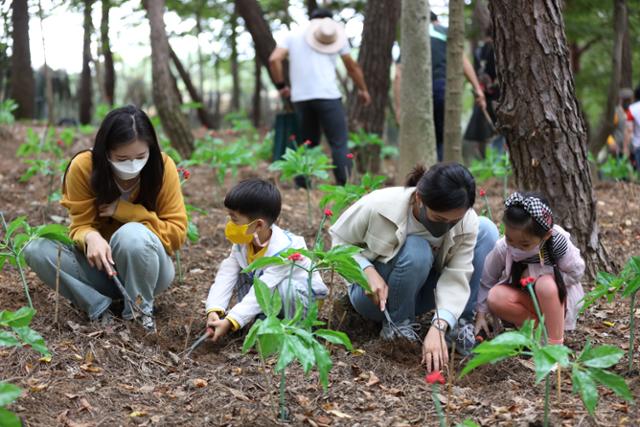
(120, 127)
(444, 187)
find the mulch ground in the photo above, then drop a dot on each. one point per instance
(121, 376)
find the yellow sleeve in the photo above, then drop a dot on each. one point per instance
(218, 310)
(169, 221)
(79, 199)
(234, 323)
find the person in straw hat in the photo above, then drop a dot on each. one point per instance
(312, 55)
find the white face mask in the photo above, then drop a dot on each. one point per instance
(129, 169)
(520, 255)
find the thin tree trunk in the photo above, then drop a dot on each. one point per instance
(203, 114)
(235, 71)
(257, 90)
(200, 57)
(540, 116)
(606, 122)
(417, 132)
(455, 82)
(626, 73)
(51, 116)
(173, 121)
(109, 69)
(86, 92)
(216, 109)
(23, 84)
(263, 40)
(378, 35)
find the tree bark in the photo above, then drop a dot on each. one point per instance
(109, 69)
(173, 121)
(626, 73)
(455, 82)
(257, 90)
(417, 133)
(378, 35)
(606, 122)
(23, 84)
(86, 93)
(263, 40)
(540, 116)
(203, 114)
(51, 116)
(235, 70)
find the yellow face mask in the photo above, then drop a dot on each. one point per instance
(237, 234)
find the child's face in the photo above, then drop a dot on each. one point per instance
(239, 219)
(521, 239)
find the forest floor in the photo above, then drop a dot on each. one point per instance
(121, 376)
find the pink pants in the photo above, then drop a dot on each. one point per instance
(516, 306)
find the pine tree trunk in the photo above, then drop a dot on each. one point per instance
(257, 90)
(217, 115)
(626, 73)
(455, 83)
(109, 70)
(235, 70)
(378, 35)
(23, 84)
(263, 40)
(606, 122)
(85, 94)
(417, 132)
(51, 116)
(540, 116)
(203, 114)
(200, 57)
(173, 121)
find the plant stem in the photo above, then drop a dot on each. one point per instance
(179, 265)
(632, 327)
(486, 201)
(316, 244)
(438, 405)
(310, 217)
(547, 389)
(283, 408)
(58, 286)
(538, 312)
(287, 299)
(24, 280)
(329, 300)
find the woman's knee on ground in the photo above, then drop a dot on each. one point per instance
(132, 237)
(415, 253)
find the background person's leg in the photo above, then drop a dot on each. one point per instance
(438, 115)
(405, 275)
(487, 237)
(333, 120)
(86, 287)
(142, 264)
(309, 129)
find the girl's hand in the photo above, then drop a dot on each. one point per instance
(482, 324)
(108, 210)
(99, 252)
(379, 288)
(211, 319)
(221, 327)
(435, 355)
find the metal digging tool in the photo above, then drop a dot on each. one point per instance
(134, 307)
(196, 344)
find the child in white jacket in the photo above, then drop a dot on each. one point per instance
(253, 207)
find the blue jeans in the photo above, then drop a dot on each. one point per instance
(412, 280)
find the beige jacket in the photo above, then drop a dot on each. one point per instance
(378, 224)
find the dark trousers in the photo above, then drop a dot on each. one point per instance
(438, 114)
(327, 115)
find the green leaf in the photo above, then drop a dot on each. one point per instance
(335, 337)
(263, 262)
(467, 423)
(269, 344)
(263, 294)
(586, 387)
(304, 353)
(8, 393)
(9, 419)
(7, 339)
(287, 353)
(250, 339)
(304, 334)
(57, 232)
(33, 339)
(615, 382)
(510, 339)
(487, 357)
(558, 353)
(544, 362)
(323, 360)
(20, 317)
(312, 315)
(271, 325)
(276, 304)
(602, 356)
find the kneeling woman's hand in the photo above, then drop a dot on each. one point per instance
(435, 355)
(99, 252)
(379, 288)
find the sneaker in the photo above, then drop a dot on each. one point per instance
(464, 337)
(148, 323)
(105, 319)
(404, 329)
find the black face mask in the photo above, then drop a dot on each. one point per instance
(436, 228)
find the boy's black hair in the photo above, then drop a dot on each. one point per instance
(255, 198)
(517, 217)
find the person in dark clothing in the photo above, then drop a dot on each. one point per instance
(438, 37)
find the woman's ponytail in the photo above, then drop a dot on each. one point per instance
(414, 176)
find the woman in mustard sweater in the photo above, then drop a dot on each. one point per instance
(127, 216)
